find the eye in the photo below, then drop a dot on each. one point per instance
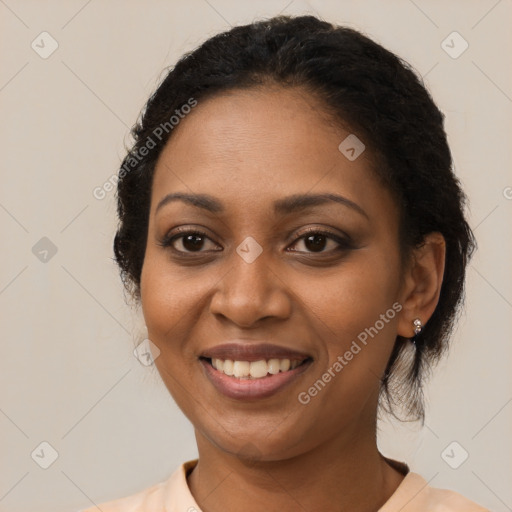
(189, 240)
(315, 240)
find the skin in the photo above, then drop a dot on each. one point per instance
(249, 148)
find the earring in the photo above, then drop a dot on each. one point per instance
(418, 326)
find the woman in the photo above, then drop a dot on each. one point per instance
(291, 227)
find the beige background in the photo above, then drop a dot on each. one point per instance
(67, 372)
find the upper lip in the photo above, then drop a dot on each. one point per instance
(252, 352)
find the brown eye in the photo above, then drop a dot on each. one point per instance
(192, 242)
(187, 241)
(317, 241)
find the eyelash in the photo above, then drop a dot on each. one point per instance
(344, 243)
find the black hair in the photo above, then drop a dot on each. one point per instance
(362, 85)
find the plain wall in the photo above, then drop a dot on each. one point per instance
(67, 372)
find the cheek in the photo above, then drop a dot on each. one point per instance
(356, 295)
(156, 296)
(169, 306)
(165, 294)
(166, 303)
(355, 312)
(174, 302)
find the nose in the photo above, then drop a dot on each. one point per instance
(250, 292)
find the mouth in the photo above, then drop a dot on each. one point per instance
(250, 372)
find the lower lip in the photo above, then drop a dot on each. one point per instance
(246, 389)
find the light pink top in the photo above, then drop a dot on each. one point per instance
(173, 495)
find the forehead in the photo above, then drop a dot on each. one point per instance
(252, 146)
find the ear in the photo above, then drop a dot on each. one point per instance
(422, 282)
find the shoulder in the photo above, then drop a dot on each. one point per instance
(414, 494)
(137, 502)
(444, 500)
(171, 494)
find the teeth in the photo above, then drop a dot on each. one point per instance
(254, 369)
(228, 366)
(258, 369)
(284, 365)
(241, 369)
(273, 366)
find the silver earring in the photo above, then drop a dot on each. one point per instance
(418, 326)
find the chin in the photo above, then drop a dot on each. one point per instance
(256, 444)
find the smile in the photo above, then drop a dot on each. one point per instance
(256, 369)
(246, 380)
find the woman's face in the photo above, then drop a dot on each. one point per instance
(257, 276)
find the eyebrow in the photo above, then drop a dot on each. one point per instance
(284, 206)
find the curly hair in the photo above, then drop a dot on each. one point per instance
(362, 85)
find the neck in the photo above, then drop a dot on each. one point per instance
(342, 474)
